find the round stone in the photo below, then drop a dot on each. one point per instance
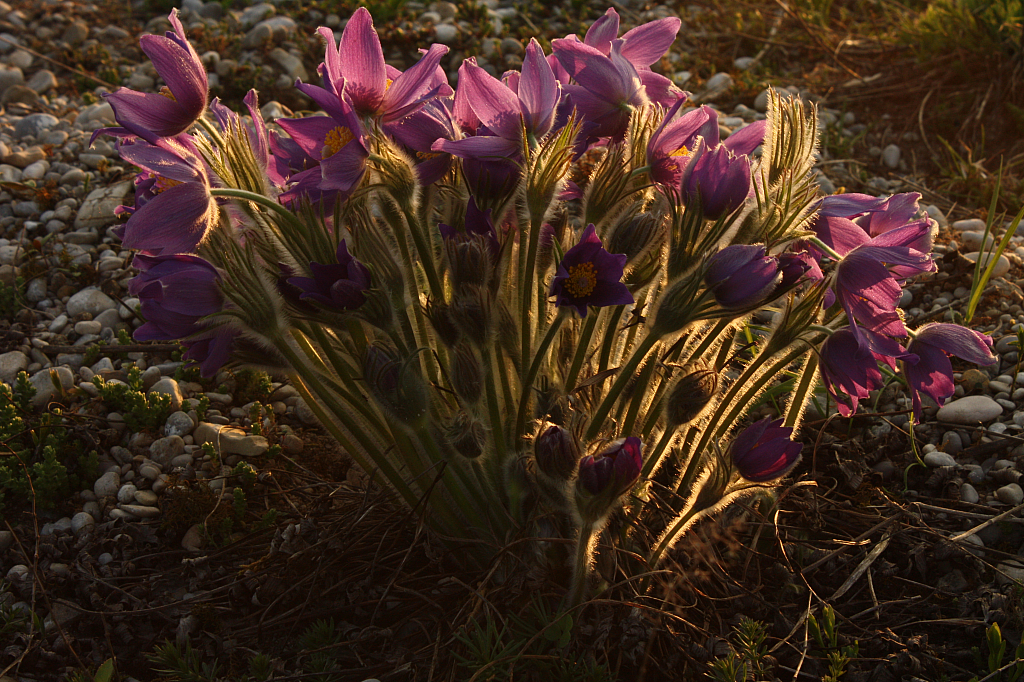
(80, 521)
(939, 459)
(108, 484)
(970, 410)
(127, 493)
(969, 494)
(1010, 494)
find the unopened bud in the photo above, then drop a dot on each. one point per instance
(605, 477)
(466, 436)
(395, 385)
(556, 452)
(691, 394)
(441, 320)
(466, 375)
(635, 234)
(469, 260)
(471, 309)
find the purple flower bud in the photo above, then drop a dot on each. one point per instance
(614, 470)
(338, 285)
(556, 452)
(741, 275)
(763, 451)
(718, 180)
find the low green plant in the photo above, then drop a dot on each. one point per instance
(747, 660)
(981, 26)
(104, 673)
(141, 410)
(252, 385)
(997, 671)
(320, 640)
(12, 620)
(825, 635)
(183, 664)
(536, 643)
(42, 461)
(12, 296)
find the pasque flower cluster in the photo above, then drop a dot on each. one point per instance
(522, 297)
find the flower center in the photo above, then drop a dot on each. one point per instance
(682, 151)
(335, 140)
(166, 92)
(582, 279)
(424, 156)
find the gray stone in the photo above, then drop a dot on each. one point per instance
(891, 156)
(193, 539)
(1002, 265)
(968, 225)
(126, 493)
(168, 386)
(149, 471)
(717, 85)
(146, 498)
(178, 424)
(6, 540)
(140, 511)
(107, 485)
(258, 35)
(34, 124)
(42, 81)
(255, 14)
(98, 208)
(972, 241)
(969, 494)
(45, 382)
(10, 364)
(10, 76)
(80, 521)
(1011, 494)
(446, 33)
(91, 300)
(970, 410)
(163, 450)
(937, 458)
(1009, 572)
(76, 33)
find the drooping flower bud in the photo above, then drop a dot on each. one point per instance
(635, 234)
(556, 452)
(741, 275)
(395, 385)
(466, 435)
(691, 394)
(466, 375)
(718, 181)
(763, 451)
(441, 320)
(605, 477)
(338, 285)
(472, 311)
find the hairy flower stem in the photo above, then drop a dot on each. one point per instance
(610, 333)
(260, 200)
(585, 543)
(423, 247)
(494, 411)
(625, 374)
(528, 271)
(211, 130)
(531, 374)
(808, 375)
(582, 348)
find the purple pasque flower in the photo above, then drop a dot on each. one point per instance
(173, 111)
(741, 275)
(419, 130)
(866, 288)
(336, 142)
(176, 208)
(478, 223)
(671, 145)
(932, 374)
(763, 451)
(717, 180)
(590, 276)
(338, 285)
(355, 70)
(849, 365)
(614, 470)
(874, 215)
(606, 89)
(176, 292)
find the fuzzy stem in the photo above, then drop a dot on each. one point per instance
(581, 567)
(263, 201)
(531, 374)
(582, 348)
(625, 373)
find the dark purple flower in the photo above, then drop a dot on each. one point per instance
(165, 114)
(763, 451)
(175, 209)
(589, 275)
(335, 141)
(717, 181)
(556, 452)
(355, 70)
(338, 285)
(932, 374)
(176, 292)
(849, 365)
(478, 223)
(614, 470)
(418, 132)
(741, 275)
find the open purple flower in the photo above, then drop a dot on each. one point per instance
(355, 70)
(176, 292)
(176, 208)
(741, 275)
(590, 276)
(932, 374)
(166, 114)
(614, 470)
(674, 141)
(849, 365)
(338, 285)
(717, 181)
(763, 451)
(607, 86)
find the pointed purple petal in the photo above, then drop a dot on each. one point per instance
(362, 62)
(648, 42)
(174, 221)
(538, 90)
(495, 105)
(603, 31)
(746, 139)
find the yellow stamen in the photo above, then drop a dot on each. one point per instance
(335, 140)
(163, 184)
(682, 151)
(166, 92)
(582, 279)
(423, 156)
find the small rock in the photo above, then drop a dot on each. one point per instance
(127, 493)
(98, 208)
(141, 511)
(80, 521)
(939, 459)
(968, 225)
(168, 386)
(1010, 494)
(163, 450)
(1009, 572)
(149, 471)
(969, 494)
(107, 485)
(178, 424)
(147, 498)
(193, 539)
(90, 300)
(446, 33)
(891, 156)
(970, 410)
